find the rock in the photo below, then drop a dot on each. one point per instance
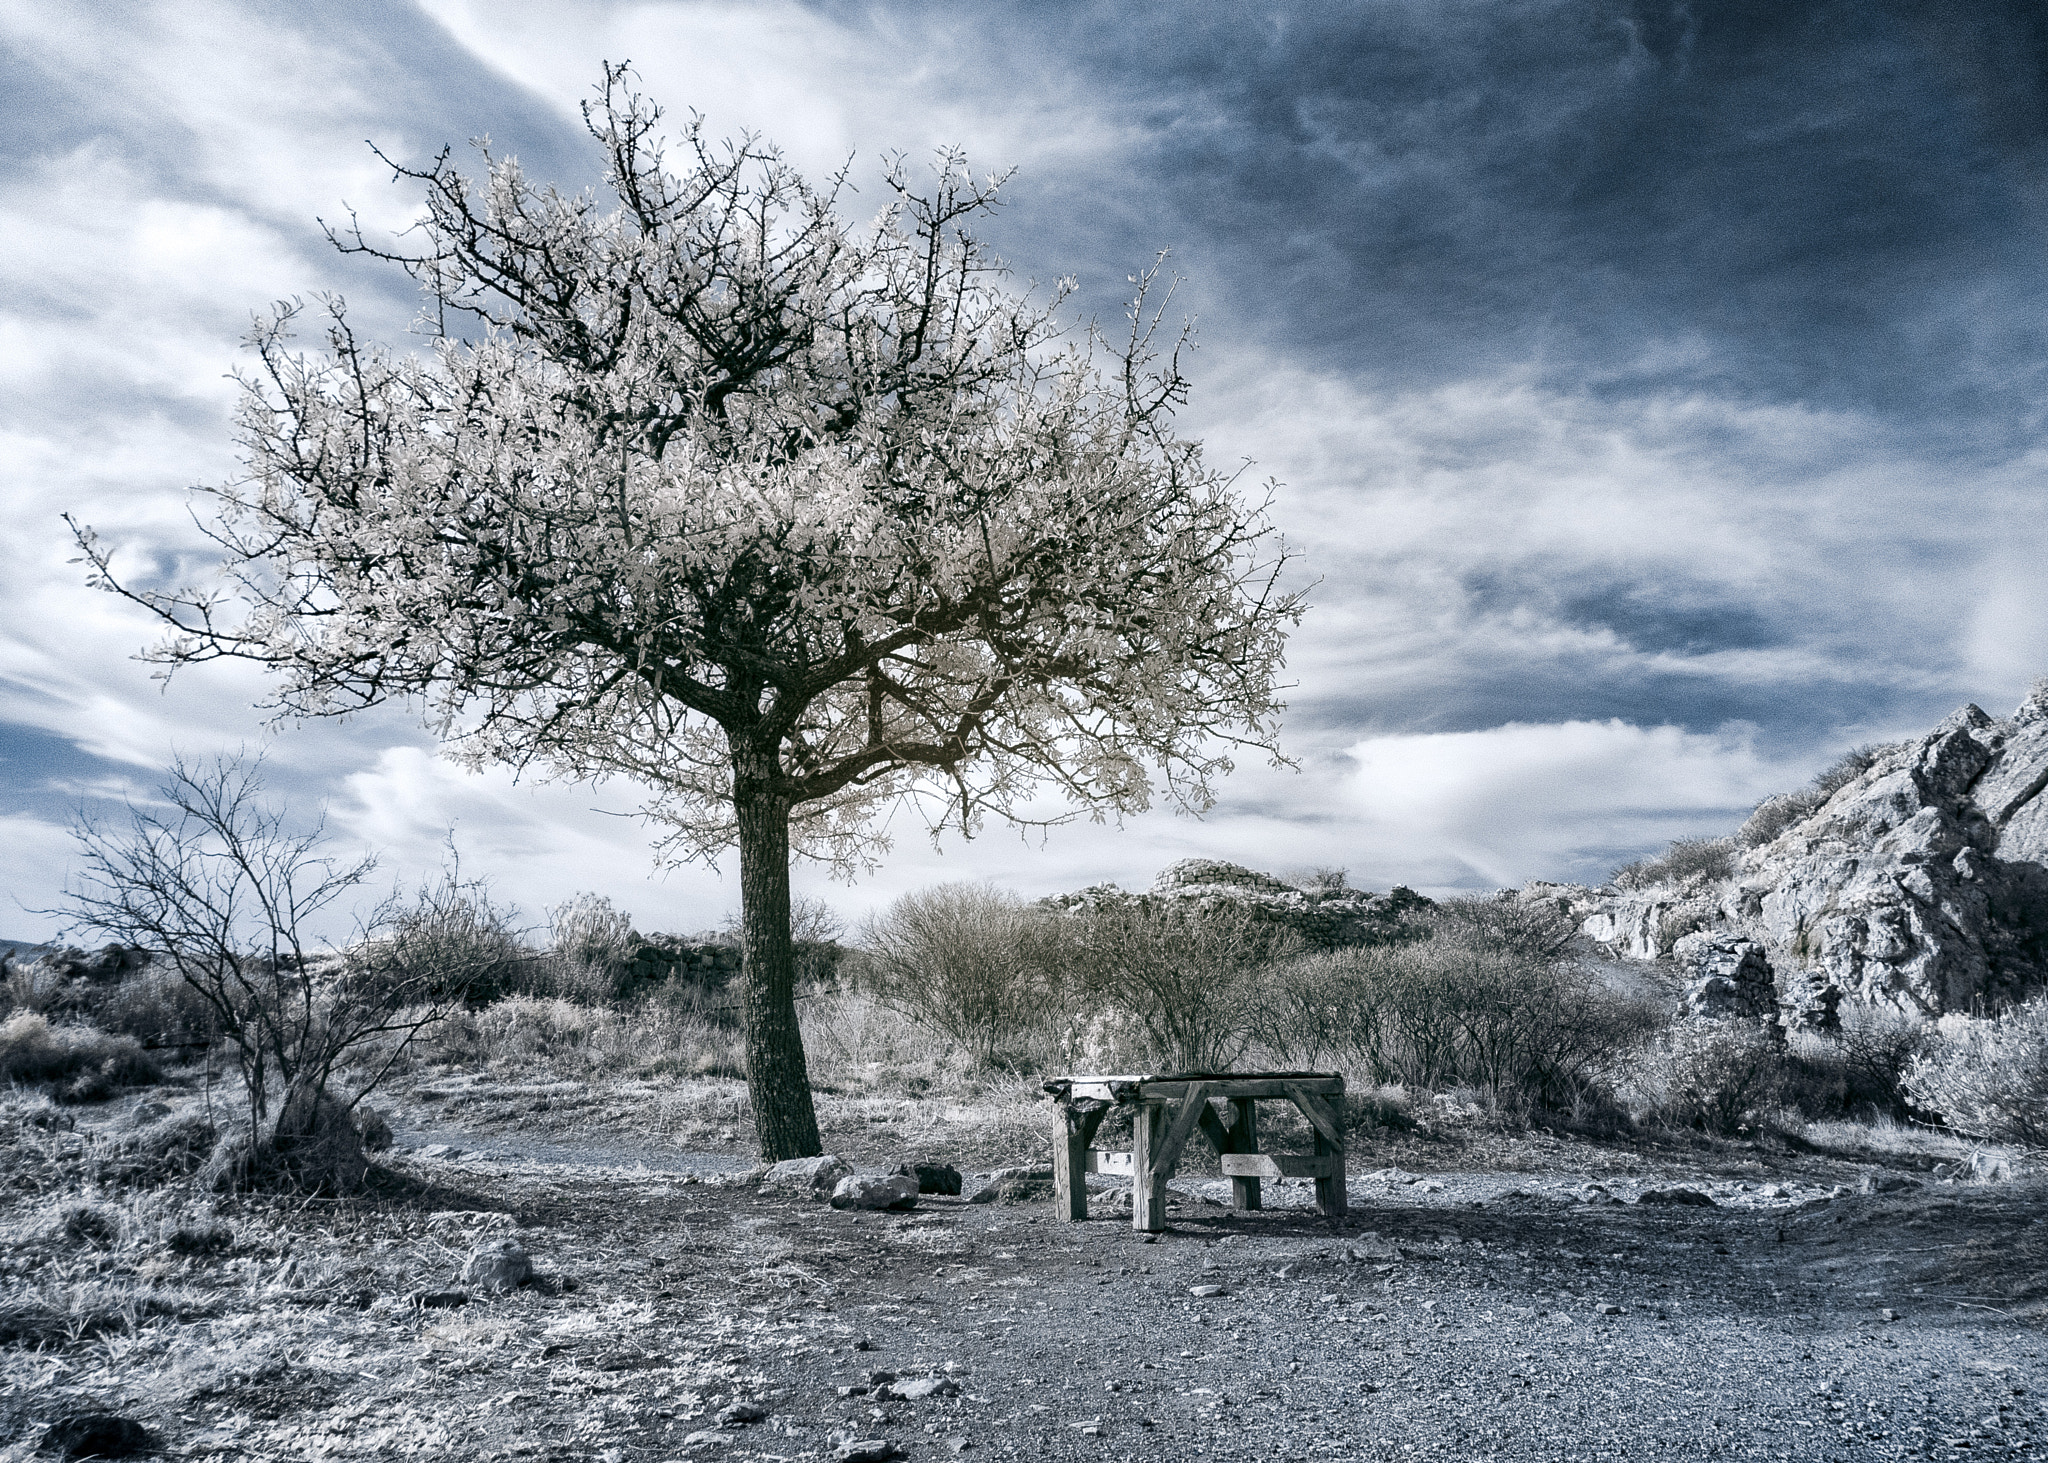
(1677, 1196)
(1725, 976)
(817, 1177)
(1921, 884)
(96, 1435)
(864, 1450)
(1607, 1310)
(439, 1152)
(933, 1178)
(1205, 1292)
(1889, 1183)
(1888, 1314)
(875, 1191)
(497, 1267)
(916, 1389)
(146, 1113)
(1990, 1168)
(1014, 1186)
(741, 1414)
(707, 1437)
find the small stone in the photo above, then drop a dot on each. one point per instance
(1608, 1310)
(1205, 1292)
(958, 1444)
(497, 1267)
(439, 1152)
(438, 1300)
(933, 1178)
(816, 1176)
(864, 1450)
(866, 1343)
(919, 1388)
(1148, 1239)
(1888, 1314)
(858, 1389)
(1091, 1429)
(740, 1414)
(875, 1191)
(706, 1437)
(96, 1435)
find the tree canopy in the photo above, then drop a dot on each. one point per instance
(782, 517)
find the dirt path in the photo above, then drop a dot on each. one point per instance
(1462, 1314)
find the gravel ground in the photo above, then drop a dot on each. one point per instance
(1529, 1308)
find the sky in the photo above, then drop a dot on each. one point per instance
(1655, 390)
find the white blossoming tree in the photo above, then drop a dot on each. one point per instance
(784, 518)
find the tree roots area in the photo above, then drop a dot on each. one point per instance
(1529, 1298)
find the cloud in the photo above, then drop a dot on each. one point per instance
(1557, 801)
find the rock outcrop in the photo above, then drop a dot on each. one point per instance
(1921, 885)
(1326, 913)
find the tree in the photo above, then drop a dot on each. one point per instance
(214, 884)
(783, 517)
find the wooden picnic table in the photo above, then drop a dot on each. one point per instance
(1170, 1109)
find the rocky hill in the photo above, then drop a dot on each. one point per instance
(1920, 884)
(1325, 912)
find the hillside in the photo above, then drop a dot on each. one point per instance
(1919, 884)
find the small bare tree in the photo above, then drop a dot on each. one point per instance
(218, 887)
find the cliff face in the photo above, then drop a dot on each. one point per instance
(1921, 885)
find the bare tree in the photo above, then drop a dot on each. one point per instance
(782, 517)
(220, 889)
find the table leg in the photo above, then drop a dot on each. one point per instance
(1331, 1196)
(1244, 1138)
(1148, 1179)
(1070, 1158)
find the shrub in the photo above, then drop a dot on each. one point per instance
(1686, 861)
(1775, 814)
(1987, 1078)
(971, 962)
(1851, 765)
(1183, 979)
(85, 1064)
(449, 944)
(1486, 1001)
(1722, 1076)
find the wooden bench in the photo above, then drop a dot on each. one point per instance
(1169, 1110)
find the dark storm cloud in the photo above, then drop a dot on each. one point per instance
(1834, 203)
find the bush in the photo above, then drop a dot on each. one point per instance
(1851, 765)
(972, 963)
(1687, 861)
(1486, 1001)
(1183, 982)
(1774, 815)
(84, 1064)
(1722, 1076)
(1987, 1078)
(450, 944)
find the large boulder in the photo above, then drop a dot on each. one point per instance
(875, 1191)
(817, 1177)
(1725, 976)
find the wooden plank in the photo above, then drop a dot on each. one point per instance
(1245, 1192)
(1279, 1165)
(1106, 1160)
(1173, 1090)
(1148, 1184)
(1213, 1132)
(1313, 1110)
(1192, 1106)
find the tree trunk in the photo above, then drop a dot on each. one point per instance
(777, 1079)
